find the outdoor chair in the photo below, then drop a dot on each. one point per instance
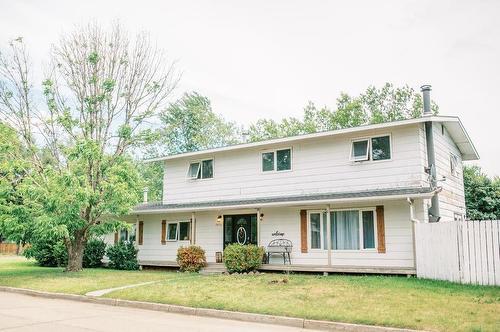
(282, 247)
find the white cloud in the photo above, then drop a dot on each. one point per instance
(260, 58)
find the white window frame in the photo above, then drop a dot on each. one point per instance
(454, 164)
(178, 229)
(360, 233)
(366, 157)
(369, 157)
(309, 228)
(275, 156)
(200, 169)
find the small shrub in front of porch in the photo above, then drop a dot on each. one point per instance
(191, 258)
(123, 256)
(243, 258)
(93, 253)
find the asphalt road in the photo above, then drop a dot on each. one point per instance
(26, 313)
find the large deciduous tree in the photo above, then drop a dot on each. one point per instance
(101, 89)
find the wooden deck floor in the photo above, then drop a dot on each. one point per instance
(306, 268)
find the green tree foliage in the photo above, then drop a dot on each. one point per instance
(482, 194)
(189, 124)
(16, 213)
(375, 105)
(102, 90)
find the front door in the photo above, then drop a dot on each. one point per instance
(240, 229)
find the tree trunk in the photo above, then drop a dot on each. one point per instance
(75, 253)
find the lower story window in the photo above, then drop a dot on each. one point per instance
(179, 231)
(128, 234)
(349, 229)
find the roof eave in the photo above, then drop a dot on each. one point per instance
(287, 203)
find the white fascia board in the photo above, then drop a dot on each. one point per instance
(285, 204)
(310, 136)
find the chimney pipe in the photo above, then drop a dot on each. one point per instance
(145, 198)
(426, 94)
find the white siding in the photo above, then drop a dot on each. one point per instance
(451, 198)
(320, 165)
(398, 229)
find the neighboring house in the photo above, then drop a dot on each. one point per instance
(347, 199)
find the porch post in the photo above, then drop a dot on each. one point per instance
(136, 242)
(258, 227)
(193, 228)
(328, 235)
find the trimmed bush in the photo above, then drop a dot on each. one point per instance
(49, 253)
(191, 259)
(93, 253)
(122, 256)
(243, 258)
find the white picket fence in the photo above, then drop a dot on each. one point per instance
(461, 251)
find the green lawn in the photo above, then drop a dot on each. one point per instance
(19, 272)
(390, 301)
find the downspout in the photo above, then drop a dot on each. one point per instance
(431, 155)
(414, 221)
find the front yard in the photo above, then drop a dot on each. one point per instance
(389, 301)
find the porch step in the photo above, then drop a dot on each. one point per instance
(213, 268)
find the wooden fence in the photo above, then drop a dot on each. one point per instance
(461, 251)
(8, 248)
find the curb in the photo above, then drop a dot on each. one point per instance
(213, 313)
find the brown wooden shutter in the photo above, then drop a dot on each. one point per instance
(116, 237)
(163, 231)
(141, 232)
(380, 229)
(303, 231)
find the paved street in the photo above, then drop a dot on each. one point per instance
(26, 313)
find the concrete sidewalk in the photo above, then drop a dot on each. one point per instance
(20, 312)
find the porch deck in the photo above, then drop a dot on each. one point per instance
(304, 268)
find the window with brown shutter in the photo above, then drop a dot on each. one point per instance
(303, 231)
(163, 231)
(380, 229)
(141, 233)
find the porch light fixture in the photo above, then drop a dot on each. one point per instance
(261, 217)
(219, 220)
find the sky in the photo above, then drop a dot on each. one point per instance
(267, 59)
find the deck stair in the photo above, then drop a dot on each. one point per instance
(213, 268)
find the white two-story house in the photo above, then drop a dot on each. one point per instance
(346, 199)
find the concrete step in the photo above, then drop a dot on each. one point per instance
(213, 268)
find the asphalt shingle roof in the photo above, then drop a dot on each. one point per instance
(284, 199)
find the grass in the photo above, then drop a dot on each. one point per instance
(379, 300)
(19, 272)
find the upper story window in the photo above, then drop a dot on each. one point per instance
(277, 160)
(453, 164)
(372, 148)
(203, 169)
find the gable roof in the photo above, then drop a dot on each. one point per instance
(452, 124)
